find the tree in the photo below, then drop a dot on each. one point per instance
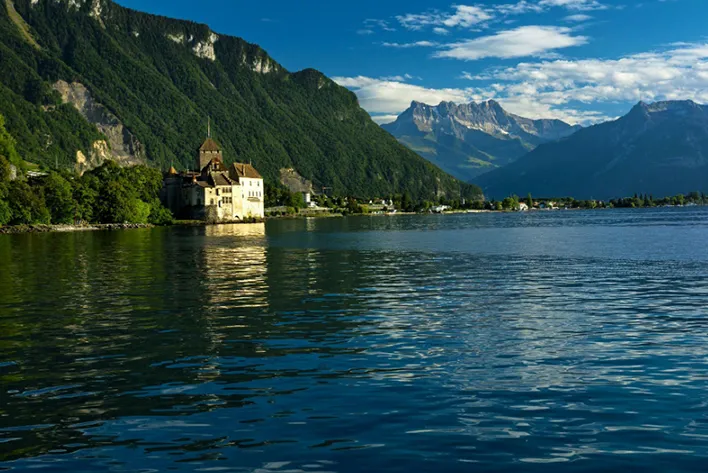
(26, 205)
(115, 204)
(511, 203)
(407, 202)
(296, 200)
(7, 150)
(159, 215)
(4, 169)
(529, 201)
(58, 198)
(5, 211)
(84, 200)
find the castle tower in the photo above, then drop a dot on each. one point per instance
(208, 151)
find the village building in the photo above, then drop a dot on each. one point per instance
(214, 191)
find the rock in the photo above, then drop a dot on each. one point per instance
(122, 146)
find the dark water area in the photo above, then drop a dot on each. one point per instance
(542, 342)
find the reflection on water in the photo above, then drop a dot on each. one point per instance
(466, 343)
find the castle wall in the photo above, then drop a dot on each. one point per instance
(253, 197)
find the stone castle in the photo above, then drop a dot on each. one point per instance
(214, 191)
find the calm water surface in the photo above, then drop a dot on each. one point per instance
(566, 341)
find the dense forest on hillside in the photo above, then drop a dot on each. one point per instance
(108, 194)
(158, 78)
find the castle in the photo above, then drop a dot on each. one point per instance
(214, 191)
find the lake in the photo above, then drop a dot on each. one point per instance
(566, 341)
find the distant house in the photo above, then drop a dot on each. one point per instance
(214, 191)
(440, 208)
(523, 207)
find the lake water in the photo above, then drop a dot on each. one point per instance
(542, 342)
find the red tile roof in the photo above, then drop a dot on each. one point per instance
(244, 170)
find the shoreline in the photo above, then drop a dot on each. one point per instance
(42, 228)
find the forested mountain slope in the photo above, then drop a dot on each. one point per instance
(86, 80)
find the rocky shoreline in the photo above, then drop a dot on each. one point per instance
(70, 228)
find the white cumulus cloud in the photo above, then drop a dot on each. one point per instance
(680, 72)
(519, 42)
(555, 88)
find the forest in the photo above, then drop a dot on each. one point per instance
(107, 194)
(162, 93)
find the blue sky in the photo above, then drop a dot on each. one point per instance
(578, 60)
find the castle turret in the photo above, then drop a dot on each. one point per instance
(208, 151)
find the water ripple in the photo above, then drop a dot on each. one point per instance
(547, 342)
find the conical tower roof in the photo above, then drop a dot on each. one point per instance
(210, 145)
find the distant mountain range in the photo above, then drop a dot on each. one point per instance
(659, 149)
(469, 140)
(88, 80)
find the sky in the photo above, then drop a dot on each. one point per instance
(582, 61)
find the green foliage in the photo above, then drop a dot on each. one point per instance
(510, 203)
(8, 152)
(4, 169)
(162, 92)
(296, 200)
(108, 194)
(26, 204)
(279, 195)
(58, 196)
(159, 215)
(5, 210)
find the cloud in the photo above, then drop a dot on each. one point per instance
(389, 97)
(519, 42)
(578, 18)
(556, 88)
(402, 78)
(385, 99)
(440, 31)
(466, 16)
(463, 16)
(373, 24)
(573, 4)
(519, 8)
(417, 44)
(680, 72)
(478, 16)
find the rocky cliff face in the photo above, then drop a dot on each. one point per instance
(659, 149)
(122, 146)
(488, 117)
(470, 139)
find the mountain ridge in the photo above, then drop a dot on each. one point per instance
(467, 140)
(160, 78)
(659, 148)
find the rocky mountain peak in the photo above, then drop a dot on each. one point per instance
(472, 138)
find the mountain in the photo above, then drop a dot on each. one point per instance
(470, 139)
(88, 80)
(659, 149)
